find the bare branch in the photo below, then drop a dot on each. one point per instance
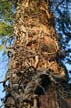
(59, 4)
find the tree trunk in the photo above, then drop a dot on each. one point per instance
(51, 100)
(34, 72)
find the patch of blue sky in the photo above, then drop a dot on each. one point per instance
(10, 41)
(13, 9)
(3, 69)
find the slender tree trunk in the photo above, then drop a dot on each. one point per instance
(34, 70)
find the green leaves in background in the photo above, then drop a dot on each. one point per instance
(5, 10)
(6, 17)
(5, 29)
(1, 47)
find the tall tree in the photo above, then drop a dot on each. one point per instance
(36, 75)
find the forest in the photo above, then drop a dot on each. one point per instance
(35, 54)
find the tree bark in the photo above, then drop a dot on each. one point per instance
(35, 74)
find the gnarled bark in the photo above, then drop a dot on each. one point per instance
(34, 70)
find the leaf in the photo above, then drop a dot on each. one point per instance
(5, 29)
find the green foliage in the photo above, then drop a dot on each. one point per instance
(5, 29)
(5, 10)
(6, 20)
(1, 47)
(6, 17)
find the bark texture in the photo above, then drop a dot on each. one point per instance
(35, 75)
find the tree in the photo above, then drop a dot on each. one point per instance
(36, 75)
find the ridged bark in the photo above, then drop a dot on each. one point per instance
(35, 74)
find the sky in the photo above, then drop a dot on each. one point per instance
(3, 69)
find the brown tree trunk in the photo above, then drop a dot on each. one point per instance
(52, 99)
(34, 71)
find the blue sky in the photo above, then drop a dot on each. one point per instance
(3, 69)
